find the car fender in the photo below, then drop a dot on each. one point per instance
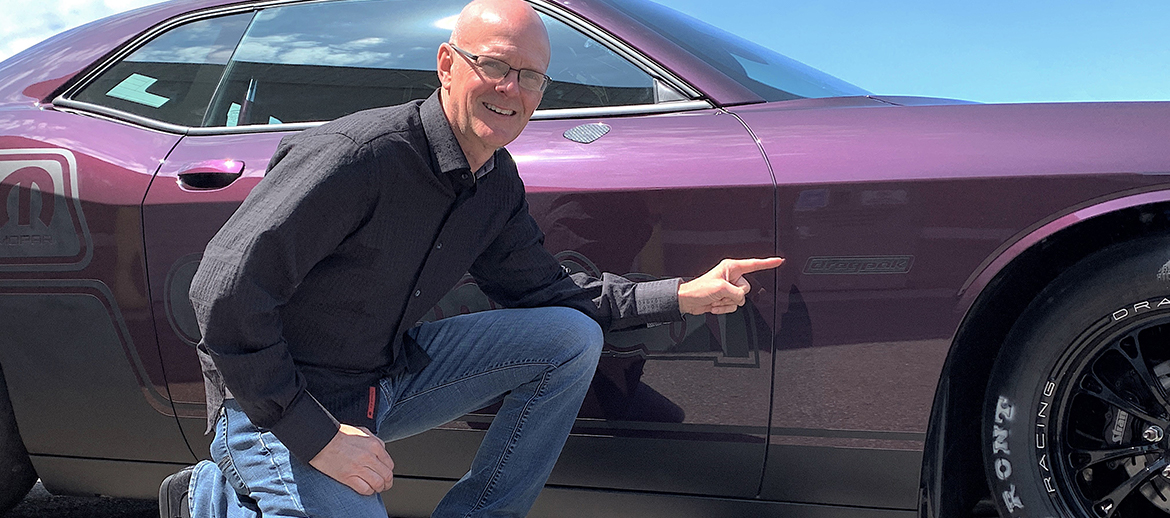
(1026, 239)
(999, 290)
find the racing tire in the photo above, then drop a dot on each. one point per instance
(17, 474)
(1076, 419)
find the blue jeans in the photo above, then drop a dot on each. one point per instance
(538, 362)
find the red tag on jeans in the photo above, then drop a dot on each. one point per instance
(373, 398)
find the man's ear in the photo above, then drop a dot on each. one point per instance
(444, 60)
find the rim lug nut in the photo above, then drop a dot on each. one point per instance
(1166, 472)
(1153, 434)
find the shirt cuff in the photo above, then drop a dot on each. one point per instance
(306, 427)
(657, 301)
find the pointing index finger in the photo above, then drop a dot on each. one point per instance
(741, 266)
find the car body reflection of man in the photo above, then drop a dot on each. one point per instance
(308, 295)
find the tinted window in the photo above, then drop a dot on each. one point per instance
(586, 73)
(319, 61)
(316, 62)
(173, 77)
(770, 75)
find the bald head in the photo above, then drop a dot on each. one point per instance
(494, 19)
(487, 111)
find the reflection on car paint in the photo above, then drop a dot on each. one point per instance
(618, 392)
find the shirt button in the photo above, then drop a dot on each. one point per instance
(417, 292)
(438, 246)
(464, 176)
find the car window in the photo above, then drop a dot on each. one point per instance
(588, 74)
(171, 78)
(319, 61)
(772, 76)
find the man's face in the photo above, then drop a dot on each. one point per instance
(487, 114)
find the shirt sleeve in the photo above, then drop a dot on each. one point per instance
(517, 271)
(316, 192)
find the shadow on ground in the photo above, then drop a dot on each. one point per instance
(40, 504)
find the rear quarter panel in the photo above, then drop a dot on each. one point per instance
(887, 215)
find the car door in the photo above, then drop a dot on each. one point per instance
(616, 181)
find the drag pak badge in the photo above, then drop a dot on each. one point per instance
(859, 265)
(41, 224)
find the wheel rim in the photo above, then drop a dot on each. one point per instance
(1111, 453)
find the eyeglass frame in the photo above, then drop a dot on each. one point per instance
(474, 58)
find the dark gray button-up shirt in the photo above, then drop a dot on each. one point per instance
(305, 295)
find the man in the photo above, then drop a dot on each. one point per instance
(309, 295)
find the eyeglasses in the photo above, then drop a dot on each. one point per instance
(496, 70)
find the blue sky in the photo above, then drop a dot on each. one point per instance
(990, 51)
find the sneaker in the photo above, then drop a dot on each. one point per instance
(172, 495)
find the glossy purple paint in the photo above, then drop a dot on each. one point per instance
(960, 141)
(650, 152)
(1031, 237)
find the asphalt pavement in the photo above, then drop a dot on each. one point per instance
(40, 504)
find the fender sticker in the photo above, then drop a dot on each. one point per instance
(41, 224)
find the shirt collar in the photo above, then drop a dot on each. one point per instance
(448, 155)
(486, 167)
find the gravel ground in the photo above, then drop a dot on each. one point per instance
(40, 504)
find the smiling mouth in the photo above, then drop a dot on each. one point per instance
(497, 109)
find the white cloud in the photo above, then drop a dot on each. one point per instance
(302, 49)
(39, 20)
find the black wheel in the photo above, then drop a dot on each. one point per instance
(17, 475)
(1077, 420)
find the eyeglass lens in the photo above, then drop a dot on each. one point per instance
(496, 69)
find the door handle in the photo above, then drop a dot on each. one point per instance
(210, 174)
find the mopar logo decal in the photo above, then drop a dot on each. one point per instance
(41, 226)
(858, 265)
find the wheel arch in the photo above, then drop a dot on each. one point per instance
(950, 485)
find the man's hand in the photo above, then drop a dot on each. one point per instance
(723, 289)
(357, 458)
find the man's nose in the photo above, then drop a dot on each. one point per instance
(510, 83)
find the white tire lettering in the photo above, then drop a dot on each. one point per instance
(999, 445)
(1044, 462)
(1003, 410)
(1120, 314)
(1049, 389)
(1003, 469)
(1011, 501)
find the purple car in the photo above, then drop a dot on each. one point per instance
(974, 315)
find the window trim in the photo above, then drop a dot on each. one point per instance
(695, 102)
(104, 112)
(617, 46)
